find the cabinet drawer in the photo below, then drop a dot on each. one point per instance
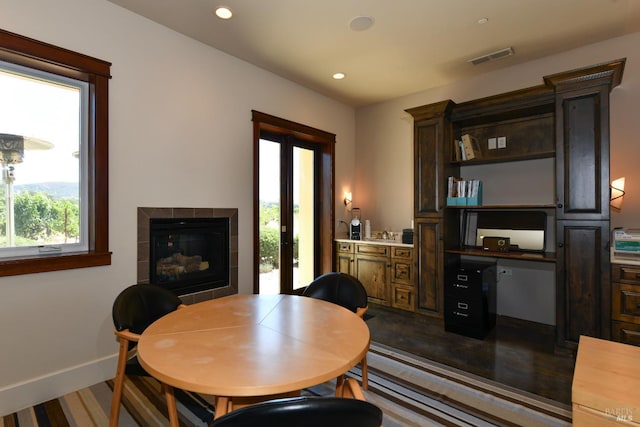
(463, 288)
(626, 274)
(403, 297)
(402, 272)
(372, 249)
(344, 247)
(400, 252)
(625, 301)
(628, 333)
(465, 310)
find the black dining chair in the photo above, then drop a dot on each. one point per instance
(134, 309)
(346, 291)
(304, 411)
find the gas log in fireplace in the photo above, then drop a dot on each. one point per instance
(189, 254)
(191, 251)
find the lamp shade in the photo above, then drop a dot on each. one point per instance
(617, 193)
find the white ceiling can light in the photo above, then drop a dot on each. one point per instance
(339, 76)
(224, 12)
(361, 23)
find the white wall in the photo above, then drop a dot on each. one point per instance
(384, 165)
(384, 142)
(180, 135)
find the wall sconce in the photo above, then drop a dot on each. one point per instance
(348, 198)
(617, 193)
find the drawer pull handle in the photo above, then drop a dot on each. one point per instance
(463, 306)
(462, 277)
(458, 285)
(457, 313)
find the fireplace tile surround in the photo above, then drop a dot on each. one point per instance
(145, 214)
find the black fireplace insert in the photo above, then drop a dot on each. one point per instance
(189, 254)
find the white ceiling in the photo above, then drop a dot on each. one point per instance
(413, 45)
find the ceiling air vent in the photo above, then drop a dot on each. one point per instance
(492, 56)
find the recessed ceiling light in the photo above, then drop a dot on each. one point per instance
(483, 21)
(224, 12)
(361, 23)
(339, 76)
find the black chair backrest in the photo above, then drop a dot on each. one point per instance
(304, 411)
(138, 306)
(338, 288)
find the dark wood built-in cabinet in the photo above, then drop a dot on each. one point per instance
(386, 269)
(567, 118)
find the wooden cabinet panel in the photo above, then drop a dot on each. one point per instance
(430, 268)
(373, 272)
(344, 264)
(432, 156)
(582, 153)
(344, 258)
(583, 296)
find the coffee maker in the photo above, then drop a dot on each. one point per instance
(355, 226)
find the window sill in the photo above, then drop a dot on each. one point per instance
(14, 267)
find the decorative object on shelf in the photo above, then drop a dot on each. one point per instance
(617, 193)
(496, 244)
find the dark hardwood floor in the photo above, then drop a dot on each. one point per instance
(516, 353)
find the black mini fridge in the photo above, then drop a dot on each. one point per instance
(470, 299)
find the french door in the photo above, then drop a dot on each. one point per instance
(293, 206)
(287, 214)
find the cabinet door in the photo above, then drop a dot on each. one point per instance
(373, 272)
(344, 263)
(432, 154)
(582, 153)
(583, 298)
(430, 267)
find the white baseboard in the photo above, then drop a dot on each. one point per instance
(18, 396)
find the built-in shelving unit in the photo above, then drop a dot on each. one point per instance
(566, 118)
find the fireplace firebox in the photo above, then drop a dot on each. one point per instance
(189, 254)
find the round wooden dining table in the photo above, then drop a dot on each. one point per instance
(253, 345)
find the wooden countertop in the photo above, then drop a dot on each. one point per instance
(378, 242)
(606, 381)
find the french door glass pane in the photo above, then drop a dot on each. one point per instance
(303, 217)
(269, 228)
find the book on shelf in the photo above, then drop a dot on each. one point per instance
(470, 147)
(464, 192)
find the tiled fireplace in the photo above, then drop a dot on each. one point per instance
(191, 241)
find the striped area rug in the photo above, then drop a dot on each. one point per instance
(409, 390)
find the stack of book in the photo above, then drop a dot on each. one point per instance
(465, 148)
(464, 192)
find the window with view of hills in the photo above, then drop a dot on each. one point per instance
(54, 192)
(42, 154)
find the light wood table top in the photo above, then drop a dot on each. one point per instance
(253, 345)
(606, 381)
